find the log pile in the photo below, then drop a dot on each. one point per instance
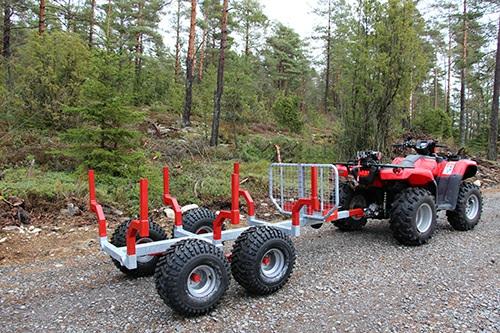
(488, 172)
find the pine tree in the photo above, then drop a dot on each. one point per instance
(493, 135)
(186, 116)
(220, 76)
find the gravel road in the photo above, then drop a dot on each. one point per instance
(362, 281)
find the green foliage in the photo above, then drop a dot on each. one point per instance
(51, 69)
(286, 110)
(436, 123)
(35, 183)
(104, 138)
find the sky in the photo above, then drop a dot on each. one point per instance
(292, 13)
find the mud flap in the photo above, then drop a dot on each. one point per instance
(447, 191)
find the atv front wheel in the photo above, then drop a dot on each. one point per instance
(468, 209)
(413, 216)
(350, 199)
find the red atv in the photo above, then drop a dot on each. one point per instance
(410, 191)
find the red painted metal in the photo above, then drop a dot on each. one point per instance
(217, 224)
(250, 203)
(314, 188)
(95, 207)
(132, 229)
(144, 211)
(169, 200)
(196, 278)
(357, 212)
(235, 194)
(140, 226)
(297, 206)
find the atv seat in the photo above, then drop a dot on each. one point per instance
(410, 160)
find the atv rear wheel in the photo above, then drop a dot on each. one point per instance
(145, 264)
(350, 199)
(468, 209)
(413, 216)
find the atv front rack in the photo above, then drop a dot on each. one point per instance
(308, 193)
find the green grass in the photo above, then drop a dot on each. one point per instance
(196, 182)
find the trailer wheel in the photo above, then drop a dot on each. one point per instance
(192, 277)
(413, 216)
(262, 260)
(468, 209)
(145, 264)
(350, 199)
(199, 221)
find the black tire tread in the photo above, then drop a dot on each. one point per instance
(348, 224)
(195, 218)
(457, 217)
(244, 256)
(170, 267)
(119, 239)
(402, 211)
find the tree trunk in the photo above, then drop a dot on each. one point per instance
(448, 82)
(247, 34)
(108, 25)
(91, 23)
(186, 121)
(220, 77)
(138, 45)
(178, 41)
(203, 46)
(6, 50)
(463, 74)
(493, 137)
(436, 99)
(41, 17)
(328, 47)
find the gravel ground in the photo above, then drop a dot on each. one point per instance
(362, 281)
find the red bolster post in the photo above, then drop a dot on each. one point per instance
(92, 200)
(297, 206)
(166, 181)
(144, 213)
(95, 207)
(235, 194)
(170, 201)
(132, 229)
(314, 188)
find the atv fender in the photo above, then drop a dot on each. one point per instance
(449, 179)
(343, 171)
(414, 177)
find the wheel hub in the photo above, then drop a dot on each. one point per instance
(202, 281)
(424, 217)
(204, 230)
(146, 258)
(273, 264)
(472, 207)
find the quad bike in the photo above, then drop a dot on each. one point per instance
(410, 191)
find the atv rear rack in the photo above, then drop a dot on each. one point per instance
(312, 200)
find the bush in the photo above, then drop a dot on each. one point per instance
(105, 139)
(287, 113)
(435, 122)
(51, 69)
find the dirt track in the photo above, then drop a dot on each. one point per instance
(362, 281)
